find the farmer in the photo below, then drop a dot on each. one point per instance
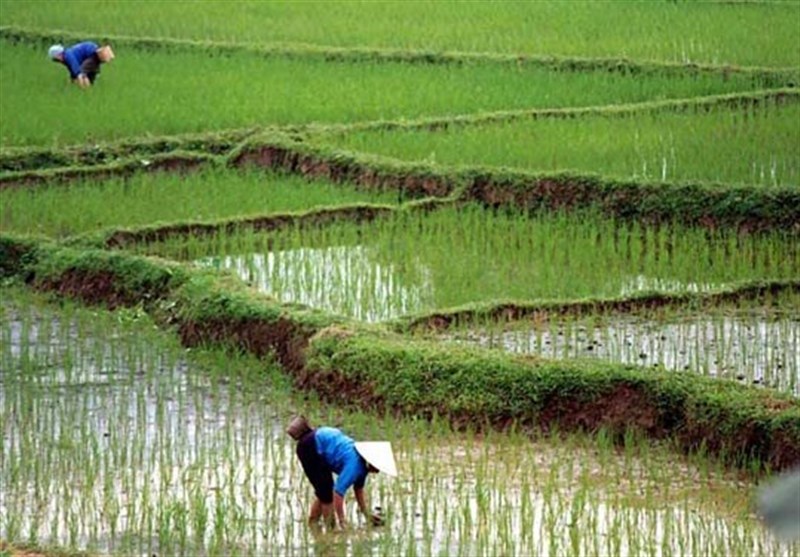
(325, 451)
(82, 60)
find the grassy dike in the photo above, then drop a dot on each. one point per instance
(515, 310)
(376, 369)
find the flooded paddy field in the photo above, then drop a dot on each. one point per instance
(117, 440)
(144, 199)
(747, 342)
(754, 146)
(413, 262)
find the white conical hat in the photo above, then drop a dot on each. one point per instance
(379, 454)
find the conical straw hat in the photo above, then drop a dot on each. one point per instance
(379, 454)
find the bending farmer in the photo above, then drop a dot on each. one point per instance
(325, 451)
(82, 60)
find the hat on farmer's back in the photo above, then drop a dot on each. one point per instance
(379, 454)
(55, 51)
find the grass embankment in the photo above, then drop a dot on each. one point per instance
(696, 204)
(164, 92)
(710, 32)
(348, 363)
(22, 159)
(510, 310)
(757, 146)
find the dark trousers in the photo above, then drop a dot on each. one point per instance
(316, 469)
(91, 67)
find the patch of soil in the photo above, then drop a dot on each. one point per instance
(282, 337)
(624, 407)
(99, 287)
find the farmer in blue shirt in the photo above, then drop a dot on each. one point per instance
(325, 451)
(82, 60)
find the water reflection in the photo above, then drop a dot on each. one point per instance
(754, 348)
(346, 280)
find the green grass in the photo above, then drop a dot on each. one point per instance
(754, 146)
(61, 210)
(712, 32)
(417, 262)
(143, 93)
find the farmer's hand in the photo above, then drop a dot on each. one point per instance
(376, 519)
(82, 81)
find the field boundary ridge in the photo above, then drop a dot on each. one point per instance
(511, 311)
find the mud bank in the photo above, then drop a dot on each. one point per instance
(176, 162)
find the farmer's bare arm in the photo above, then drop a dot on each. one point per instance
(362, 501)
(82, 81)
(362, 505)
(338, 507)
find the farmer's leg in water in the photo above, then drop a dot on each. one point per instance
(319, 509)
(320, 476)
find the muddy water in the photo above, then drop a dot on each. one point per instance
(119, 442)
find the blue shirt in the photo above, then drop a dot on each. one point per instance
(339, 452)
(76, 54)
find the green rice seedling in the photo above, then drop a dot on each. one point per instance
(750, 343)
(149, 198)
(172, 94)
(712, 32)
(753, 146)
(410, 262)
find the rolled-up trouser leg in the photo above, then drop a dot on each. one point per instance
(91, 67)
(316, 469)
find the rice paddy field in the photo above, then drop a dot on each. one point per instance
(270, 208)
(414, 262)
(755, 147)
(248, 90)
(119, 440)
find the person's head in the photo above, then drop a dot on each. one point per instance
(56, 53)
(298, 427)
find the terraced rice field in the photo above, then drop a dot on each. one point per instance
(549, 250)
